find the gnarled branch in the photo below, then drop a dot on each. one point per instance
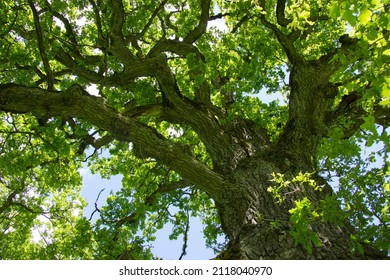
(202, 25)
(76, 102)
(280, 16)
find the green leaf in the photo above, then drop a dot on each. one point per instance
(188, 92)
(376, 4)
(365, 16)
(385, 95)
(350, 17)
(369, 123)
(335, 9)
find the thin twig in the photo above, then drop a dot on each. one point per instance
(96, 207)
(185, 237)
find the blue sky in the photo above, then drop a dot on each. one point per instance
(162, 247)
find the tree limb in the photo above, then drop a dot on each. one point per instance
(68, 27)
(117, 43)
(65, 58)
(245, 18)
(202, 25)
(133, 69)
(351, 109)
(174, 46)
(76, 102)
(150, 21)
(9, 200)
(285, 40)
(98, 21)
(280, 16)
(41, 46)
(219, 16)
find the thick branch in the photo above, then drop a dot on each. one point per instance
(149, 110)
(76, 102)
(245, 18)
(117, 17)
(287, 41)
(118, 46)
(137, 69)
(8, 202)
(280, 16)
(65, 58)
(311, 100)
(55, 74)
(349, 49)
(70, 33)
(90, 140)
(382, 115)
(201, 120)
(202, 26)
(174, 46)
(169, 87)
(219, 16)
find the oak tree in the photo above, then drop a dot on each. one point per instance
(268, 120)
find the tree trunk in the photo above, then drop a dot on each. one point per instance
(259, 227)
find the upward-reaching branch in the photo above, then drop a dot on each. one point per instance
(202, 25)
(68, 27)
(150, 21)
(117, 44)
(41, 46)
(280, 16)
(287, 41)
(98, 21)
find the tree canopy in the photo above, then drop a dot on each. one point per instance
(177, 96)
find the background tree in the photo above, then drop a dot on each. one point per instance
(179, 111)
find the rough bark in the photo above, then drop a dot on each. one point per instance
(243, 159)
(248, 212)
(76, 102)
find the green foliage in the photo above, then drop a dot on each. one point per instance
(359, 168)
(41, 207)
(41, 176)
(301, 218)
(283, 188)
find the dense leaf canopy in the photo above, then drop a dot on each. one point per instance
(149, 89)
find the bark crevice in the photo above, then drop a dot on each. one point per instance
(259, 226)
